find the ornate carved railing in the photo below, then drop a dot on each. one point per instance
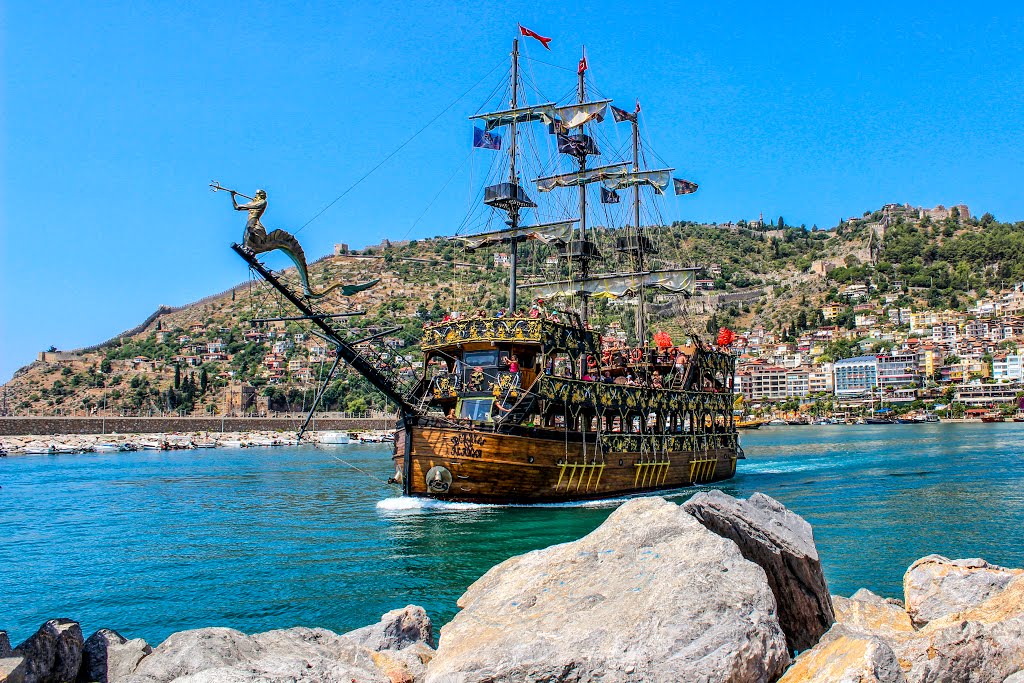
(554, 336)
(623, 398)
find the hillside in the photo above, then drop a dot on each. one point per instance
(208, 356)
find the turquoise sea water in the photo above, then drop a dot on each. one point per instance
(150, 543)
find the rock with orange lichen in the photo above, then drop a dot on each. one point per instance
(846, 656)
(864, 611)
(936, 586)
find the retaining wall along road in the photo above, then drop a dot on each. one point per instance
(16, 426)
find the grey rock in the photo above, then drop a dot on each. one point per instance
(108, 657)
(846, 656)
(650, 595)
(53, 654)
(396, 630)
(283, 656)
(5, 645)
(936, 586)
(1015, 678)
(12, 669)
(782, 543)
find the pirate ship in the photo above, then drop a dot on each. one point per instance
(530, 404)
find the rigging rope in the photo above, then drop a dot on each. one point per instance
(397, 149)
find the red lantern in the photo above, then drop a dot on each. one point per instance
(726, 337)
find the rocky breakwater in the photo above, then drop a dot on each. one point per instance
(715, 590)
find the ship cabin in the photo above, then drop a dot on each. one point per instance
(532, 375)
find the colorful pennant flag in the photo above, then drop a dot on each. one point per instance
(485, 139)
(533, 34)
(684, 186)
(609, 196)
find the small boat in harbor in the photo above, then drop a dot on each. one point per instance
(107, 448)
(749, 424)
(777, 422)
(204, 444)
(993, 417)
(334, 438)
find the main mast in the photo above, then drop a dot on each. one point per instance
(513, 210)
(581, 97)
(638, 261)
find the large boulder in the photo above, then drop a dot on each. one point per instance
(396, 630)
(936, 586)
(5, 645)
(395, 650)
(869, 613)
(53, 654)
(12, 669)
(401, 644)
(780, 542)
(976, 645)
(846, 656)
(650, 595)
(224, 654)
(108, 657)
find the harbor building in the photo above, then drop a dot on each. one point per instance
(855, 376)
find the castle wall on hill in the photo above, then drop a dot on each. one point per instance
(20, 426)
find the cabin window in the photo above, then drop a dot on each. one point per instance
(476, 409)
(634, 425)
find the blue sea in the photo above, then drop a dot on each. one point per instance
(149, 543)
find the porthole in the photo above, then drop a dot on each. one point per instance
(620, 462)
(529, 458)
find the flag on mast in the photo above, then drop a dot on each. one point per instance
(486, 139)
(684, 186)
(583, 66)
(533, 34)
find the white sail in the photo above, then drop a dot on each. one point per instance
(678, 281)
(538, 112)
(576, 115)
(658, 179)
(549, 233)
(591, 175)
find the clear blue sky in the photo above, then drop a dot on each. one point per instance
(117, 115)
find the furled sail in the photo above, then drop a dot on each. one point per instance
(658, 179)
(575, 115)
(548, 233)
(592, 175)
(678, 281)
(537, 112)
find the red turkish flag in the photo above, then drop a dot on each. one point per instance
(583, 65)
(533, 34)
(726, 337)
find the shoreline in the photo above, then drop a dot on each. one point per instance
(77, 444)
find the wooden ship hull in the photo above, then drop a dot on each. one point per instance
(503, 468)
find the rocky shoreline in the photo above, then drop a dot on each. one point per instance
(37, 444)
(716, 589)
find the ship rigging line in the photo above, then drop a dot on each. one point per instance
(346, 462)
(397, 149)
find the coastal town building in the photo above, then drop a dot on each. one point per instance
(855, 376)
